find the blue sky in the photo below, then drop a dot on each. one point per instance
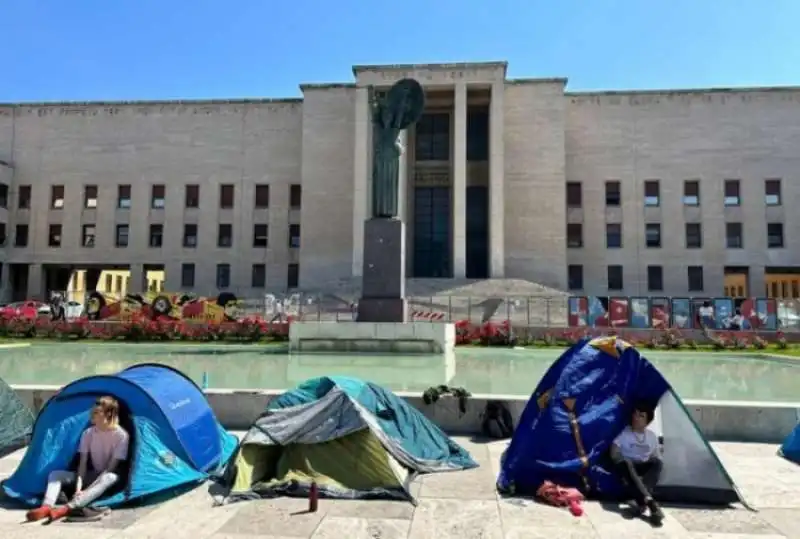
(144, 49)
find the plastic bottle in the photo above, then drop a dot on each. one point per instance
(205, 380)
(313, 498)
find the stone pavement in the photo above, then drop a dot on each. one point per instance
(460, 505)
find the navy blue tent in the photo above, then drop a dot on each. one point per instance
(175, 437)
(583, 401)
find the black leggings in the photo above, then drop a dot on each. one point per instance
(642, 477)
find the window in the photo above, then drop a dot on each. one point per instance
(655, 278)
(575, 277)
(613, 194)
(3, 195)
(192, 196)
(124, 197)
(260, 235)
(293, 276)
(732, 196)
(294, 236)
(24, 197)
(156, 235)
(774, 235)
(772, 192)
(157, 197)
(225, 235)
(734, 237)
(223, 275)
(295, 196)
(615, 277)
(574, 235)
(90, 196)
(432, 137)
(226, 196)
(262, 196)
(691, 193)
(613, 235)
(695, 278)
(57, 197)
(54, 236)
(652, 194)
(652, 235)
(694, 236)
(477, 135)
(121, 236)
(258, 278)
(109, 282)
(187, 275)
(190, 236)
(574, 195)
(88, 234)
(21, 236)
(2, 234)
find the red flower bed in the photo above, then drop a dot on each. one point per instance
(141, 328)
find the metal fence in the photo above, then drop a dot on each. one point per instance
(538, 311)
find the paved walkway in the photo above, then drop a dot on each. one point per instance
(460, 505)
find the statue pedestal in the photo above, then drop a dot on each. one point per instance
(384, 273)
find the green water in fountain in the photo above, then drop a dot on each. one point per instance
(713, 376)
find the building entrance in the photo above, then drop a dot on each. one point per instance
(432, 232)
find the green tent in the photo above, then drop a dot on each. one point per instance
(16, 420)
(353, 438)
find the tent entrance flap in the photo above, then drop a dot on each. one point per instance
(692, 471)
(357, 462)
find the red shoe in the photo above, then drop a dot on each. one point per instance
(58, 512)
(40, 513)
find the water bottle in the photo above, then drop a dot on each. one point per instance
(205, 380)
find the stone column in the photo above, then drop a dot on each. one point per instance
(36, 282)
(496, 183)
(460, 183)
(138, 279)
(5, 282)
(361, 176)
(402, 180)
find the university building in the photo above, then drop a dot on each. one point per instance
(668, 192)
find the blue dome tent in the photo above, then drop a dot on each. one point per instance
(790, 449)
(175, 439)
(583, 401)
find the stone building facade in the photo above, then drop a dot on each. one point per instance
(673, 192)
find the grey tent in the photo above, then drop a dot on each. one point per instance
(16, 420)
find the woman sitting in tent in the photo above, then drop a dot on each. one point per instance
(637, 457)
(102, 447)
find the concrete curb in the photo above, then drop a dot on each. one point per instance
(741, 421)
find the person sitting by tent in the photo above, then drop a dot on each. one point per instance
(102, 447)
(636, 454)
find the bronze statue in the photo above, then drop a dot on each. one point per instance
(399, 109)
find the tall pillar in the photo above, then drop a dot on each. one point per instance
(361, 176)
(36, 282)
(138, 279)
(496, 182)
(402, 179)
(460, 183)
(5, 282)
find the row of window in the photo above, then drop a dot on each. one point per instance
(691, 193)
(258, 276)
(158, 196)
(734, 235)
(155, 236)
(655, 278)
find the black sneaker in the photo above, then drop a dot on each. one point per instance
(656, 514)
